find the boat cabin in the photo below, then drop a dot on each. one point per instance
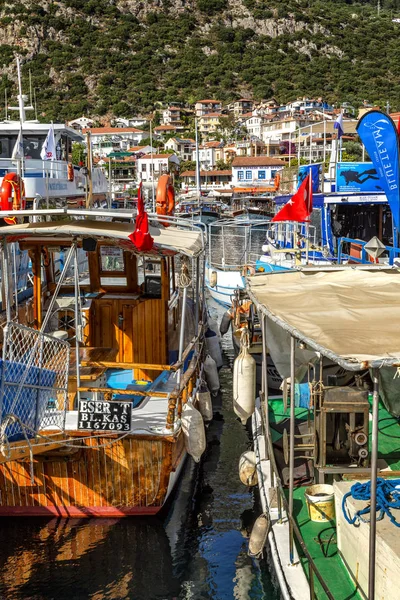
(109, 344)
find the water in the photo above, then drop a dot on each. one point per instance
(197, 550)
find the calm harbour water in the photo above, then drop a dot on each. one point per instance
(197, 550)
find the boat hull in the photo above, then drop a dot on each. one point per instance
(103, 478)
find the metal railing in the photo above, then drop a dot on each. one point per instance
(283, 505)
(233, 243)
(390, 252)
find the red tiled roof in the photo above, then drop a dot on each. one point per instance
(98, 130)
(208, 102)
(207, 173)
(210, 115)
(165, 128)
(148, 156)
(257, 161)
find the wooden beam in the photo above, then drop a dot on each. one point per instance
(20, 450)
(37, 286)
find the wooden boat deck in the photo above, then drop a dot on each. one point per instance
(321, 539)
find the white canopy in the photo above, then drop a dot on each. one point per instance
(351, 315)
(169, 240)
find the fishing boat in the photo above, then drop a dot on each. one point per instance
(203, 210)
(30, 175)
(326, 455)
(101, 365)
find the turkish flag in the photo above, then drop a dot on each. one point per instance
(141, 236)
(299, 207)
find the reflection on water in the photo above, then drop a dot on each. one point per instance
(197, 551)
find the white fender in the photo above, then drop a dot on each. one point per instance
(213, 279)
(205, 404)
(211, 374)
(214, 348)
(244, 385)
(259, 534)
(248, 468)
(193, 431)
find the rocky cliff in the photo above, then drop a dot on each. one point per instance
(118, 57)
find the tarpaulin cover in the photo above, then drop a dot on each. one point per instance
(353, 314)
(169, 240)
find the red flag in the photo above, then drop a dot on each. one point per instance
(398, 127)
(141, 236)
(299, 207)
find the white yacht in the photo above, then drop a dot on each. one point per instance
(45, 180)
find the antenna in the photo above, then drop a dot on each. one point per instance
(379, 7)
(30, 87)
(6, 103)
(34, 100)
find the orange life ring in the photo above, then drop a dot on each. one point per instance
(70, 172)
(277, 182)
(12, 195)
(165, 200)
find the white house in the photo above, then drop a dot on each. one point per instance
(149, 168)
(183, 147)
(81, 123)
(114, 139)
(131, 122)
(209, 154)
(255, 171)
(172, 116)
(204, 107)
(254, 126)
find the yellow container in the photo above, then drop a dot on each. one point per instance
(321, 503)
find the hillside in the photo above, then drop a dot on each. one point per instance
(119, 57)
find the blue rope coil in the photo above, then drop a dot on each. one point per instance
(387, 498)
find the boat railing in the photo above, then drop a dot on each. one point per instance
(184, 387)
(34, 382)
(357, 252)
(28, 167)
(232, 242)
(283, 507)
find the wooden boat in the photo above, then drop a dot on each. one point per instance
(97, 366)
(334, 443)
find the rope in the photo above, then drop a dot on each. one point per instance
(244, 339)
(184, 276)
(387, 499)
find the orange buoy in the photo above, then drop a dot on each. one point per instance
(12, 195)
(165, 200)
(277, 182)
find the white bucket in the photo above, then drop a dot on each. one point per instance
(320, 502)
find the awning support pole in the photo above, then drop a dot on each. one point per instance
(374, 468)
(291, 446)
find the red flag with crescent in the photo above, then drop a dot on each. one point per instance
(300, 205)
(141, 236)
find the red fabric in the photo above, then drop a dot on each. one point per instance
(141, 236)
(299, 207)
(398, 127)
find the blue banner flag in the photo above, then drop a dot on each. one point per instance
(379, 135)
(316, 175)
(338, 125)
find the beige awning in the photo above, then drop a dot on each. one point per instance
(349, 315)
(169, 240)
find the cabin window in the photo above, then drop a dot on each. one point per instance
(7, 145)
(33, 146)
(112, 259)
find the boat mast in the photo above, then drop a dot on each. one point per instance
(21, 105)
(198, 185)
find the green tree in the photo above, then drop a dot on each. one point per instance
(78, 153)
